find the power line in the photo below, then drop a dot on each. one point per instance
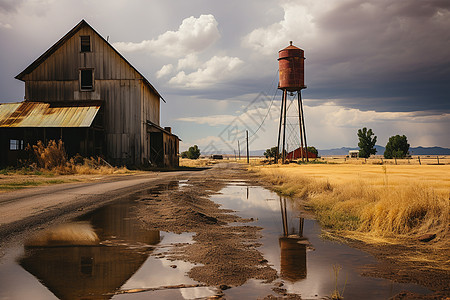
(268, 110)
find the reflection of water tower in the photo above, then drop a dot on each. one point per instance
(291, 79)
(293, 249)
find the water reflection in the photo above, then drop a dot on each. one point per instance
(292, 248)
(91, 257)
(286, 248)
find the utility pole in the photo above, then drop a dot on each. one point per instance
(239, 150)
(248, 154)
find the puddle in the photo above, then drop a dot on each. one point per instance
(304, 261)
(107, 250)
(183, 183)
(94, 256)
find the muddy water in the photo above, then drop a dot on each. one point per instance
(107, 251)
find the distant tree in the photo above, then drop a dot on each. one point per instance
(192, 153)
(397, 147)
(313, 149)
(272, 152)
(366, 142)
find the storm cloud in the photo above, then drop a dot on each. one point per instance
(383, 64)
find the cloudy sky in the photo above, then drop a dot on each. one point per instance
(382, 64)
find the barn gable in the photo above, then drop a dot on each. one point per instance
(57, 62)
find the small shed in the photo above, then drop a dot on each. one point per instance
(353, 153)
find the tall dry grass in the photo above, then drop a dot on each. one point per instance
(370, 202)
(53, 158)
(196, 163)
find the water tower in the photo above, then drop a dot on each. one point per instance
(291, 65)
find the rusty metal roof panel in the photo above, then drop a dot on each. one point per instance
(37, 114)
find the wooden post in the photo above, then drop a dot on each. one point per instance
(437, 159)
(418, 157)
(248, 154)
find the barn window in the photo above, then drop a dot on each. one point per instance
(15, 144)
(87, 79)
(85, 43)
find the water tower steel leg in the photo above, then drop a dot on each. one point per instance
(283, 217)
(300, 125)
(284, 126)
(279, 130)
(303, 123)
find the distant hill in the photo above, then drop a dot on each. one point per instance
(429, 151)
(336, 151)
(380, 151)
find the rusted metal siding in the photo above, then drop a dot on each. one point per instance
(291, 68)
(32, 114)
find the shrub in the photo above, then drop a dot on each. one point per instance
(192, 153)
(397, 147)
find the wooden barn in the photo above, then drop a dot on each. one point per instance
(297, 154)
(86, 93)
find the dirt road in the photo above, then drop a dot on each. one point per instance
(25, 210)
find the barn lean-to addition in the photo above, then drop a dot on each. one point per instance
(86, 93)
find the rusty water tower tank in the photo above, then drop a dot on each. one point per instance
(291, 65)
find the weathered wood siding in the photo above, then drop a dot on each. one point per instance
(128, 101)
(150, 106)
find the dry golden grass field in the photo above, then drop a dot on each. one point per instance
(372, 203)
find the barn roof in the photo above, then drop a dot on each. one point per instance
(65, 38)
(159, 128)
(38, 114)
